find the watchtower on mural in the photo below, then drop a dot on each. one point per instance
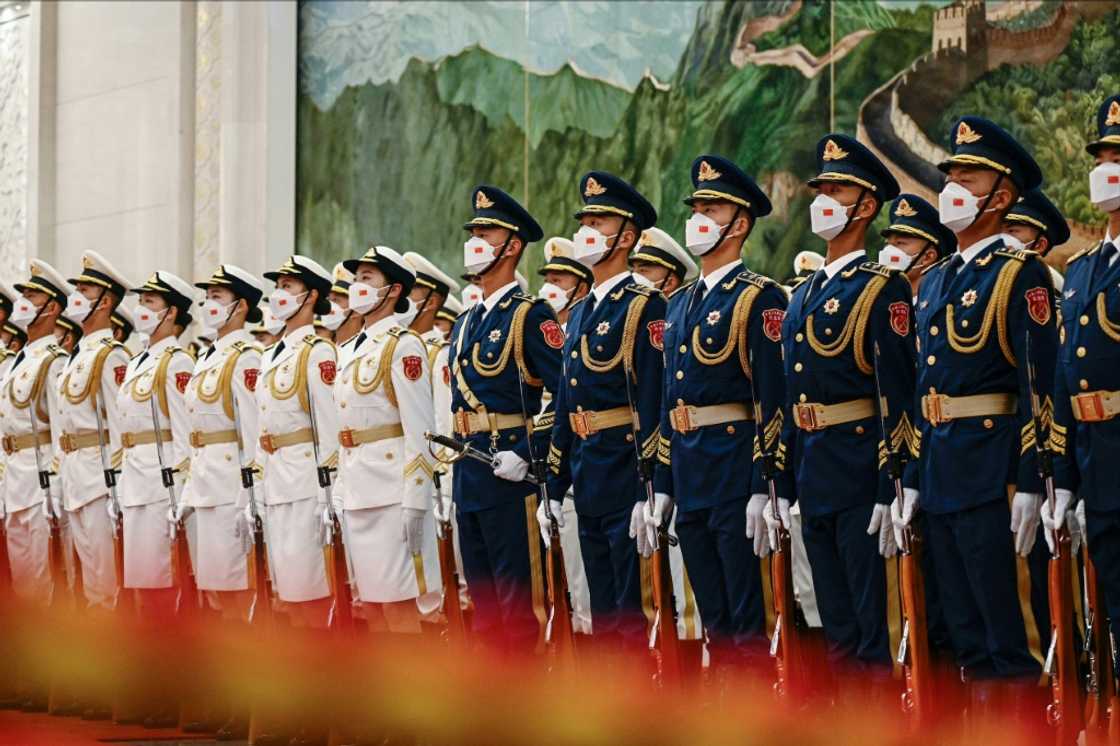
(962, 26)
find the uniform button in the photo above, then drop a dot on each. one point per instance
(1083, 384)
(574, 382)
(489, 354)
(680, 374)
(389, 456)
(859, 429)
(598, 348)
(988, 424)
(828, 330)
(799, 337)
(574, 354)
(798, 367)
(708, 340)
(513, 438)
(228, 457)
(307, 454)
(1084, 319)
(931, 360)
(932, 390)
(730, 429)
(683, 348)
(803, 398)
(1081, 352)
(342, 404)
(964, 323)
(934, 330)
(629, 437)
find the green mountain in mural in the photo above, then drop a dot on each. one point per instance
(395, 163)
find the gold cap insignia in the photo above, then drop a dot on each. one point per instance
(593, 188)
(1113, 114)
(966, 134)
(481, 201)
(833, 152)
(36, 270)
(87, 262)
(905, 210)
(647, 239)
(707, 173)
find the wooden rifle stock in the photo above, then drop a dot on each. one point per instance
(785, 643)
(449, 575)
(338, 573)
(1064, 711)
(55, 559)
(913, 649)
(1100, 680)
(665, 617)
(558, 632)
(262, 578)
(184, 571)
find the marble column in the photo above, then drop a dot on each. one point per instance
(14, 28)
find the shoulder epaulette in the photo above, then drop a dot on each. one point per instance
(1085, 252)
(795, 282)
(314, 339)
(936, 264)
(685, 286)
(753, 278)
(56, 350)
(113, 344)
(241, 346)
(398, 332)
(640, 289)
(877, 269)
(527, 298)
(1021, 255)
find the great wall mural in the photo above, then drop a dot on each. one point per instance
(404, 106)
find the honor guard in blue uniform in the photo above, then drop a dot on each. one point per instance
(1086, 403)
(720, 333)
(1039, 225)
(847, 335)
(608, 404)
(662, 262)
(982, 316)
(504, 351)
(916, 239)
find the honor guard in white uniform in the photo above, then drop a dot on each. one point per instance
(348, 323)
(223, 413)
(28, 406)
(67, 334)
(445, 316)
(12, 340)
(155, 435)
(123, 326)
(385, 490)
(89, 437)
(296, 405)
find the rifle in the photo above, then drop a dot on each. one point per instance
(262, 581)
(449, 575)
(558, 628)
(1100, 674)
(341, 615)
(110, 475)
(54, 542)
(1064, 711)
(180, 550)
(664, 629)
(466, 450)
(913, 646)
(786, 645)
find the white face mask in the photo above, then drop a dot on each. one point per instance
(701, 234)
(215, 315)
(407, 317)
(828, 216)
(471, 294)
(283, 304)
(590, 245)
(334, 319)
(555, 296)
(895, 258)
(271, 324)
(23, 313)
(147, 320)
(478, 254)
(78, 307)
(957, 207)
(363, 297)
(643, 280)
(1104, 187)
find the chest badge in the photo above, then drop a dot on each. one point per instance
(713, 318)
(603, 327)
(495, 335)
(832, 305)
(969, 298)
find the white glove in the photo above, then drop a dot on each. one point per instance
(509, 466)
(1076, 536)
(1079, 513)
(179, 512)
(638, 529)
(326, 524)
(881, 524)
(1054, 517)
(412, 529)
(901, 515)
(774, 522)
(557, 509)
(756, 524)
(1024, 520)
(655, 516)
(111, 509)
(442, 509)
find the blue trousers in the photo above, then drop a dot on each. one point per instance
(496, 562)
(726, 579)
(849, 577)
(1103, 528)
(610, 559)
(993, 628)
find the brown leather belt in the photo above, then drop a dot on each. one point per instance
(939, 408)
(131, 440)
(200, 439)
(813, 416)
(469, 423)
(588, 422)
(273, 443)
(1095, 406)
(348, 438)
(685, 418)
(70, 442)
(16, 443)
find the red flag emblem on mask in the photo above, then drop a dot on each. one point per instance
(900, 318)
(772, 323)
(553, 334)
(412, 366)
(1038, 305)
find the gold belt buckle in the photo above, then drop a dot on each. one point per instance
(9, 445)
(807, 417)
(1090, 407)
(196, 439)
(66, 443)
(463, 422)
(581, 423)
(346, 438)
(127, 440)
(266, 443)
(934, 409)
(682, 418)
